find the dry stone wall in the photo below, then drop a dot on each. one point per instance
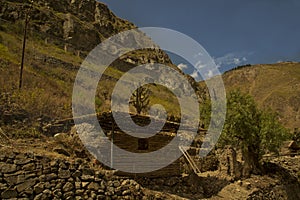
(32, 176)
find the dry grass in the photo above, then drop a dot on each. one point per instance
(276, 86)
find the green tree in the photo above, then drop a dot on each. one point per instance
(272, 132)
(251, 130)
(140, 99)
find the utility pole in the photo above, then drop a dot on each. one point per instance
(27, 17)
(112, 144)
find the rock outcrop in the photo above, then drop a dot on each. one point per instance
(76, 25)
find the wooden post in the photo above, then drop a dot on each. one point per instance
(112, 144)
(66, 47)
(27, 17)
(23, 49)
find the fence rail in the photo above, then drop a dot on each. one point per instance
(281, 155)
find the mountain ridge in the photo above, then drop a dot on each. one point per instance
(275, 86)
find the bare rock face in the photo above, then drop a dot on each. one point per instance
(67, 21)
(78, 26)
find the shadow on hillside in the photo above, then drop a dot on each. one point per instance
(213, 185)
(191, 187)
(290, 183)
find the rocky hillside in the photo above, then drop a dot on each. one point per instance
(81, 23)
(76, 26)
(59, 36)
(275, 86)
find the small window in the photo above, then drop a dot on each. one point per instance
(143, 144)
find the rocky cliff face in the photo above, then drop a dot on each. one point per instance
(75, 25)
(82, 24)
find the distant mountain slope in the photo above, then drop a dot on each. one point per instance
(275, 85)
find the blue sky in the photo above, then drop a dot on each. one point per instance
(234, 32)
